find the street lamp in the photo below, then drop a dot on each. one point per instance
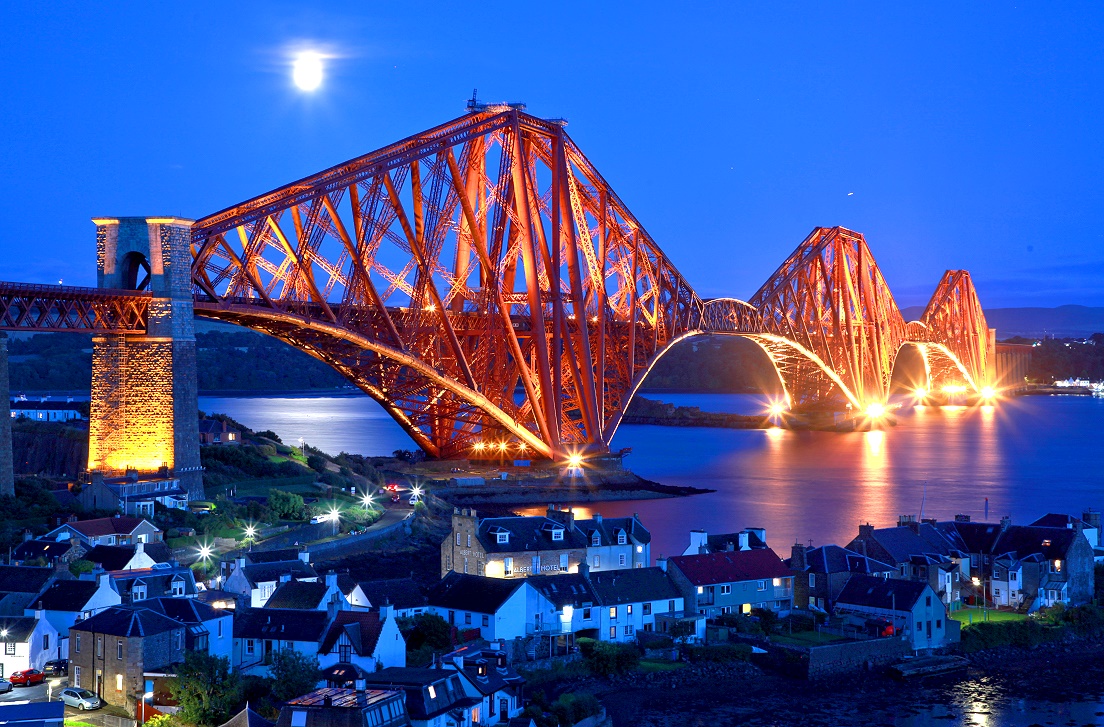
(147, 695)
(50, 689)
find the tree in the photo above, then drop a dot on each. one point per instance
(294, 674)
(426, 629)
(205, 689)
(81, 565)
(286, 505)
(316, 462)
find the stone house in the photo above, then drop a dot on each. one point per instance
(117, 530)
(821, 573)
(112, 652)
(713, 584)
(216, 431)
(208, 629)
(919, 551)
(895, 607)
(611, 543)
(486, 675)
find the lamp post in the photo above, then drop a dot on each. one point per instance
(147, 695)
(50, 689)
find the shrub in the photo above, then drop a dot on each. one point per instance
(269, 434)
(717, 653)
(607, 659)
(426, 629)
(286, 505)
(162, 720)
(81, 566)
(571, 708)
(316, 462)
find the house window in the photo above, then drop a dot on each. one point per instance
(762, 585)
(613, 611)
(536, 564)
(670, 607)
(613, 633)
(344, 652)
(700, 590)
(647, 609)
(465, 564)
(927, 601)
(119, 649)
(178, 587)
(621, 560)
(628, 630)
(597, 562)
(139, 592)
(1011, 576)
(250, 646)
(99, 647)
(467, 618)
(486, 620)
(220, 628)
(45, 642)
(458, 539)
(480, 569)
(502, 538)
(563, 561)
(1057, 566)
(726, 609)
(939, 623)
(628, 609)
(586, 614)
(557, 534)
(432, 692)
(469, 540)
(726, 590)
(9, 648)
(76, 644)
(812, 580)
(76, 676)
(595, 540)
(118, 682)
(621, 539)
(812, 601)
(508, 566)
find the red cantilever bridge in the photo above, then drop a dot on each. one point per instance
(487, 286)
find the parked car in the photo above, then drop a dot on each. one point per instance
(56, 668)
(5, 686)
(82, 699)
(27, 677)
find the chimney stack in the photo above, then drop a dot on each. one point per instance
(797, 557)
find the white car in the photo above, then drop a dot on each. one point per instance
(82, 699)
(5, 686)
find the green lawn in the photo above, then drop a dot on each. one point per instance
(651, 666)
(806, 638)
(964, 616)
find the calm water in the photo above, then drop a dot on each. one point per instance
(1028, 456)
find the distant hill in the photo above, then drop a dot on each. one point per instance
(1063, 321)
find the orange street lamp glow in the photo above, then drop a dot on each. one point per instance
(921, 392)
(777, 409)
(954, 389)
(575, 460)
(480, 446)
(988, 392)
(876, 410)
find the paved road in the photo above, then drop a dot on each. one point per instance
(37, 693)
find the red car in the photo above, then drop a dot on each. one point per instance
(27, 678)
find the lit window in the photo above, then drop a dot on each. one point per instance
(118, 682)
(432, 692)
(503, 538)
(557, 534)
(613, 611)
(628, 609)
(776, 582)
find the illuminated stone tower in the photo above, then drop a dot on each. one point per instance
(144, 394)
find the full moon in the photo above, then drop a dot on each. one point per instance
(307, 71)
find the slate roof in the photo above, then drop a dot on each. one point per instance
(19, 628)
(635, 585)
(902, 542)
(494, 677)
(158, 581)
(184, 610)
(1058, 520)
(115, 557)
(271, 556)
(722, 541)
(363, 629)
(402, 593)
(297, 594)
(247, 718)
(464, 592)
(975, 537)
(608, 526)
(122, 621)
(1024, 540)
(883, 593)
(267, 572)
(71, 595)
(419, 705)
(731, 566)
(24, 578)
(834, 559)
(215, 426)
(527, 533)
(283, 624)
(568, 589)
(31, 549)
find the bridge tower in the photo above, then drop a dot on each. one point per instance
(144, 391)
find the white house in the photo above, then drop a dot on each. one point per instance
(495, 606)
(27, 642)
(487, 676)
(261, 632)
(64, 603)
(365, 639)
(896, 607)
(402, 594)
(258, 581)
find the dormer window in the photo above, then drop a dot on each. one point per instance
(621, 538)
(139, 592)
(595, 539)
(557, 534)
(502, 538)
(1046, 543)
(432, 692)
(178, 587)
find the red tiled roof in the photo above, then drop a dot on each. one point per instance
(731, 566)
(106, 526)
(363, 628)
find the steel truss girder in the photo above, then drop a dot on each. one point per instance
(56, 308)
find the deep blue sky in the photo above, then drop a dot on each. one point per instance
(971, 136)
